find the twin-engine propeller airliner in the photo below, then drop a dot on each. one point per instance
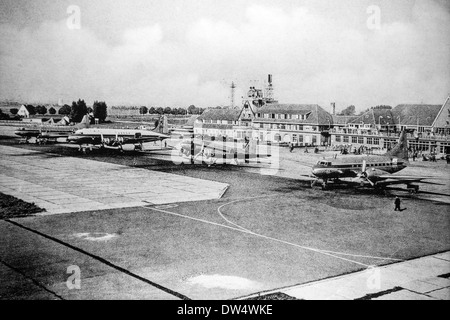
(376, 171)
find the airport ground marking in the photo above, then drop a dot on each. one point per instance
(259, 235)
(100, 259)
(309, 248)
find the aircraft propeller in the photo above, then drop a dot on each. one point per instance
(364, 175)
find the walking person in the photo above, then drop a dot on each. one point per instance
(397, 202)
(291, 147)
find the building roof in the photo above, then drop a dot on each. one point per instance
(229, 114)
(376, 117)
(316, 113)
(416, 114)
(338, 119)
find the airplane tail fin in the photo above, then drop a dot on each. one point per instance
(401, 149)
(162, 125)
(85, 123)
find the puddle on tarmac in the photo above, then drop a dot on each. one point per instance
(223, 282)
(95, 236)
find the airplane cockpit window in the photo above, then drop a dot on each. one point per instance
(324, 163)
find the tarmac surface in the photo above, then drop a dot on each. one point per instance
(65, 184)
(425, 278)
(266, 234)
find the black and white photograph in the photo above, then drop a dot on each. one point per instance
(234, 153)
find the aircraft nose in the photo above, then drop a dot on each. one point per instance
(316, 171)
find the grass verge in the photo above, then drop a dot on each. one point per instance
(11, 207)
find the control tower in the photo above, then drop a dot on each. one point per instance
(261, 96)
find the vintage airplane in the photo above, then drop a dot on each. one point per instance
(376, 171)
(100, 138)
(211, 151)
(43, 134)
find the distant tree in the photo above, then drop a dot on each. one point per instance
(100, 110)
(78, 110)
(41, 110)
(64, 110)
(160, 110)
(152, 110)
(14, 111)
(31, 109)
(143, 110)
(349, 111)
(192, 109)
(167, 110)
(52, 111)
(382, 107)
(201, 110)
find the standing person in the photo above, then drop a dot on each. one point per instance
(397, 204)
(291, 147)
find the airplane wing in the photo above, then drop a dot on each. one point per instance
(156, 137)
(394, 179)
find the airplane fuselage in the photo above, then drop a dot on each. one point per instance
(350, 167)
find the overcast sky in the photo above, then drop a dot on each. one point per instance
(182, 52)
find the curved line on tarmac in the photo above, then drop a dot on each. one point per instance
(234, 224)
(328, 252)
(255, 234)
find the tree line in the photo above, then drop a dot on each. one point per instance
(76, 112)
(98, 110)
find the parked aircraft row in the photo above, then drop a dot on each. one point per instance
(375, 171)
(95, 138)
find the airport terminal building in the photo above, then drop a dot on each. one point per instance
(263, 119)
(310, 125)
(427, 126)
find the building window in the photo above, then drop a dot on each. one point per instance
(354, 139)
(277, 137)
(294, 138)
(261, 125)
(369, 140)
(361, 140)
(272, 115)
(300, 127)
(300, 138)
(345, 139)
(338, 138)
(376, 140)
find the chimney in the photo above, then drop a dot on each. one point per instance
(333, 107)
